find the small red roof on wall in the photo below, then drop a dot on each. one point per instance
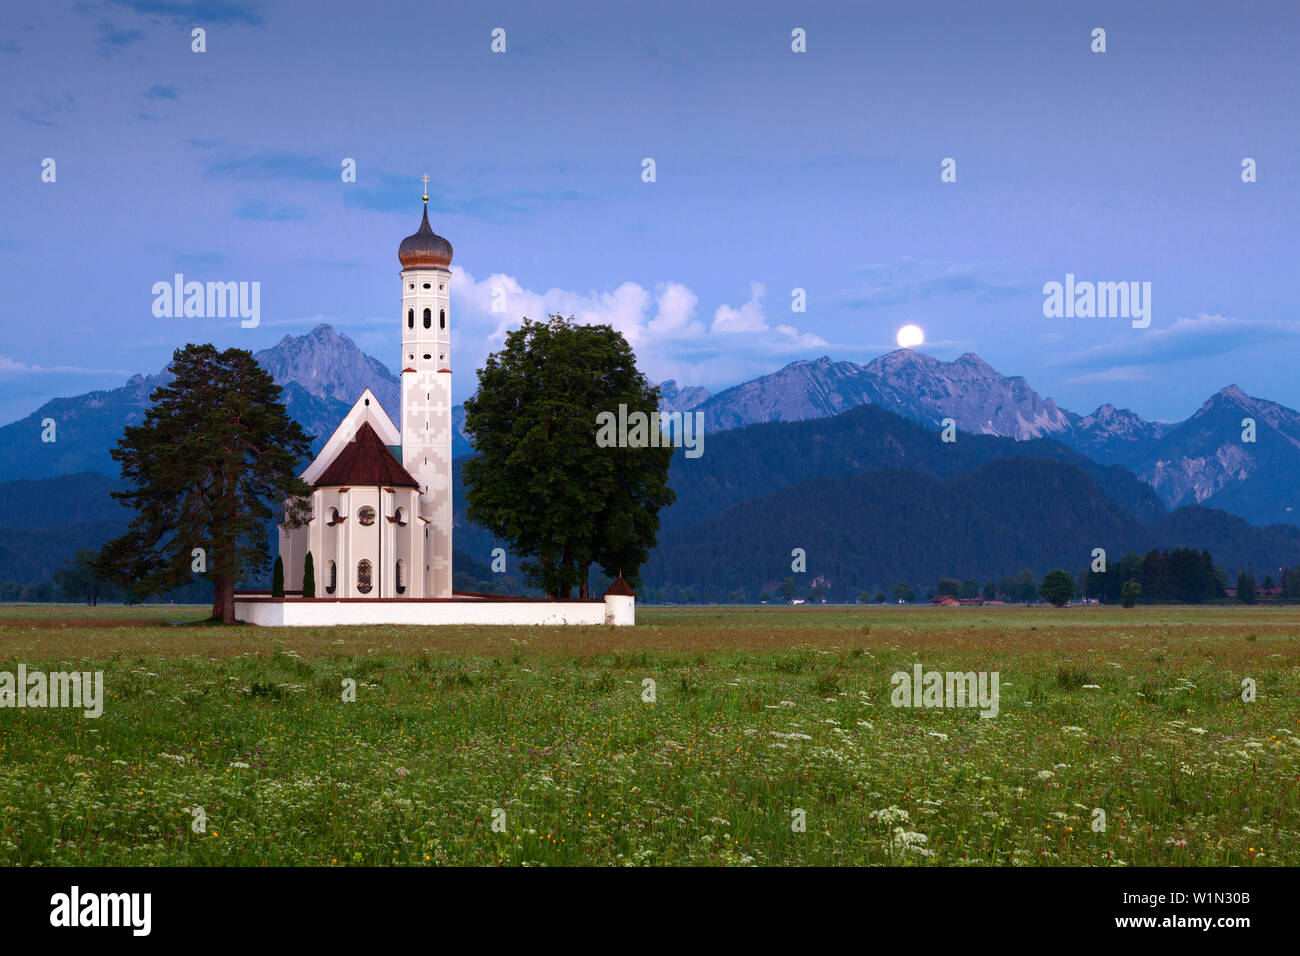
(620, 587)
(366, 460)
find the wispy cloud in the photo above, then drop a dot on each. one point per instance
(270, 165)
(260, 211)
(10, 367)
(201, 260)
(1121, 374)
(162, 92)
(378, 190)
(110, 39)
(382, 191)
(43, 115)
(196, 11)
(908, 280)
(1187, 338)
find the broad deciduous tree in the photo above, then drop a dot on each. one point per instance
(540, 481)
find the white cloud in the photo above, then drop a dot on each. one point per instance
(662, 327)
(748, 318)
(676, 311)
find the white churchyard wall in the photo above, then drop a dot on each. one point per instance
(615, 609)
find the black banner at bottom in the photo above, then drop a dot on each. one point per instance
(337, 904)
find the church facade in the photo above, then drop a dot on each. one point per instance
(380, 526)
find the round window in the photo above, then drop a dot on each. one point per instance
(366, 515)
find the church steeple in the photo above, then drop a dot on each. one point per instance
(426, 392)
(425, 249)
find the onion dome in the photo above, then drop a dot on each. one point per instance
(425, 249)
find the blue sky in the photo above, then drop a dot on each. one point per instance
(775, 170)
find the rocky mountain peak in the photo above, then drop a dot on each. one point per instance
(327, 364)
(676, 399)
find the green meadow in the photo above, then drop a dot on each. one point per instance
(767, 738)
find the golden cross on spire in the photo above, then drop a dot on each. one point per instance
(425, 177)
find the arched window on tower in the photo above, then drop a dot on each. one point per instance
(428, 318)
(442, 318)
(364, 576)
(333, 579)
(400, 577)
(410, 318)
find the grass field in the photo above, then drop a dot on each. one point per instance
(759, 712)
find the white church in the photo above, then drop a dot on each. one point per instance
(380, 531)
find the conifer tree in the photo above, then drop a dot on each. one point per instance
(308, 577)
(211, 464)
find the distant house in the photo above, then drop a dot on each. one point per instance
(945, 600)
(1230, 592)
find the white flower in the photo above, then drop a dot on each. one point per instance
(890, 814)
(1045, 775)
(910, 840)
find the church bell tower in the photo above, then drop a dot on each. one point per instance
(426, 393)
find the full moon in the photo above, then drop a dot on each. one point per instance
(910, 336)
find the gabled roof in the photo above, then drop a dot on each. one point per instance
(365, 409)
(366, 460)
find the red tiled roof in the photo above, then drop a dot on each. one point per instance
(366, 460)
(620, 587)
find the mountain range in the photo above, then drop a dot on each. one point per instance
(1202, 460)
(823, 428)
(873, 498)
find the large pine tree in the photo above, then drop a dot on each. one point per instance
(210, 464)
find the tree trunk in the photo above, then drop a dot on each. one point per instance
(586, 579)
(223, 598)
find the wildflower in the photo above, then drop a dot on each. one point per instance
(890, 814)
